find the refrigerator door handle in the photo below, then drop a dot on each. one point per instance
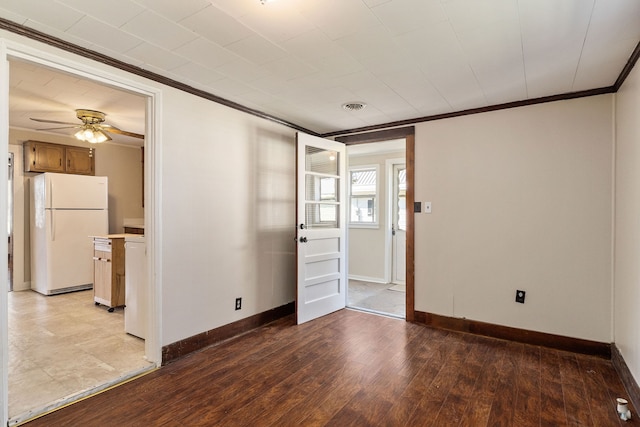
(53, 225)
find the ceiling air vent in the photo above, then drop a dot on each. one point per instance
(354, 106)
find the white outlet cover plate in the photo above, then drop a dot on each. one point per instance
(427, 207)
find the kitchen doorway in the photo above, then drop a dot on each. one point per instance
(377, 215)
(150, 348)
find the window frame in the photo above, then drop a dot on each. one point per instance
(376, 205)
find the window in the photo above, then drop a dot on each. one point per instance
(363, 182)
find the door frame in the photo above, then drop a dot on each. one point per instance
(10, 204)
(408, 133)
(11, 50)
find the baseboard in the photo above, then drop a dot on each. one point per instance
(559, 342)
(183, 347)
(367, 279)
(625, 375)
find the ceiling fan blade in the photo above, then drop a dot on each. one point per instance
(64, 127)
(51, 121)
(113, 129)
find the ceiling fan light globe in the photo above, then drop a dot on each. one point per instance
(98, 137)
(79, 135)
(88, 134)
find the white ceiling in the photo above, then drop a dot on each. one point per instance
(300, 60)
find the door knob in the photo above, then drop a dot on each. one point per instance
(303, 240)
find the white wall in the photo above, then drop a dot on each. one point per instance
(122, 164)
(627, 222)
(367, 245)
(521, 200)
(228, 213)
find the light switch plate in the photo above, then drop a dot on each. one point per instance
(427, 207)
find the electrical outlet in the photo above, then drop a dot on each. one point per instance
(238, 303)
(520, 296)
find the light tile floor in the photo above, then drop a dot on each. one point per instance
(385, 298)
(64, 345)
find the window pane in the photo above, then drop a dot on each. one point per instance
(362, 209)
(402, 213)
(319, 189)
(321, 215)
(321, 161)
(402, 199)
(363, 182)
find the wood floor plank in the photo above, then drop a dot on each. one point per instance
(357, 369)
(601, 403)
(528, 386)
(461, 394)
(478, 410)
(551, 397)
(437, 391)
(573, 389)
(504, 399)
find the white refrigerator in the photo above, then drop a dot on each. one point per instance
(65, 211)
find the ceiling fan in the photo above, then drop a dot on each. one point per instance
(93, 128)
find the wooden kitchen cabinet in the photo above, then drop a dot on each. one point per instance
(48, 157)
(80, 161)
(43, 157)
(109, 272)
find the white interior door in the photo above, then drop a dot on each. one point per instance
(321, 227)
(399, 225)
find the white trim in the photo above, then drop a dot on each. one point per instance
(153, 223)
(367, 279)
(370, 226)
(153, 149)
(4, 252)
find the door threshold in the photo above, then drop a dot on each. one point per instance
(32, 414)
(379, 313)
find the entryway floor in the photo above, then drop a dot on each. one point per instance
(62, 345)
(384, 298)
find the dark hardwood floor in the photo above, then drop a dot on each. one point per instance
(358, 369)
